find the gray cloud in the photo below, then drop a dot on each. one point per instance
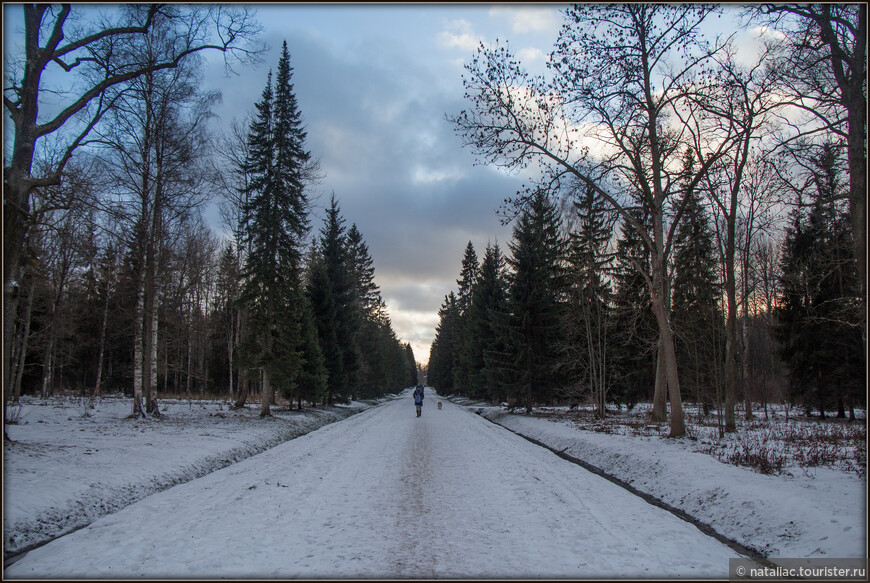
(375, 120)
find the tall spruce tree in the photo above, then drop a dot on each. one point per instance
(368, 313)
(587, 347)
(820, 344)
(362, 273)
(276, 225)
(442, 354)
(465, 361)
(312, 378)
(410, 372)
(325, 312)
(696, 314)
(227, 293)
(488, 305)
(336, 310)
(535, 307)
(634, 326)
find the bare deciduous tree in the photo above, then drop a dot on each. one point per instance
(157, 139)
(824, 63)
(744, 99)
(622, 72)
(91, 58)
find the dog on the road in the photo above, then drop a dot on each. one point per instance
(439, 404)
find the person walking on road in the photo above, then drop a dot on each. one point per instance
(418, 399)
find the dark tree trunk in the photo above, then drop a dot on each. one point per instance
(243, 390)
(22, 351)
(660, 393)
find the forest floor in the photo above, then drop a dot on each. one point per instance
(382, 494)
(783, 487)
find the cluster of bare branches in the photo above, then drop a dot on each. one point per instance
(645, 110)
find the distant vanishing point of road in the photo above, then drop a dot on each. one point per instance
(384, 494)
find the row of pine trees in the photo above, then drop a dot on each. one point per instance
(564, 317)
(129, 290)
(312, 328)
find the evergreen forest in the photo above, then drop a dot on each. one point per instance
(123, 287)
(691, 231)
(688, 237)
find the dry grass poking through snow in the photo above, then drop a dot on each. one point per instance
(769, 446)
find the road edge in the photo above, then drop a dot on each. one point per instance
(219, 462)
(704, 527)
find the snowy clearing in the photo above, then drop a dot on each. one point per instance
(384, 494)
(817, 513)
(70, 464)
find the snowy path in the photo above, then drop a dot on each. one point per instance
(384, 494)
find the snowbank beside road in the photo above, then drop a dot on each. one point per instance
(69, 464)
(779, 516)
(388, 495)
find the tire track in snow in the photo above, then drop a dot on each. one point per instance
(416, 498)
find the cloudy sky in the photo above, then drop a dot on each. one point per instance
(374, 84)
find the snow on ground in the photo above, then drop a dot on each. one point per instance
(384, 494)
(70, 464)
(821, 513)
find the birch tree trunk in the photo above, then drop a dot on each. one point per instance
(103, 325)
(203, 345)
(22, 349)
(10, 313)
(48, 363)
(152, 406)
(148, 323)
(189, 362)
(230, 361)
(47, 368)
(138, 334)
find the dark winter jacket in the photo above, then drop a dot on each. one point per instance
(418, 396)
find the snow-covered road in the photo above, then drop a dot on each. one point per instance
(385, 494)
